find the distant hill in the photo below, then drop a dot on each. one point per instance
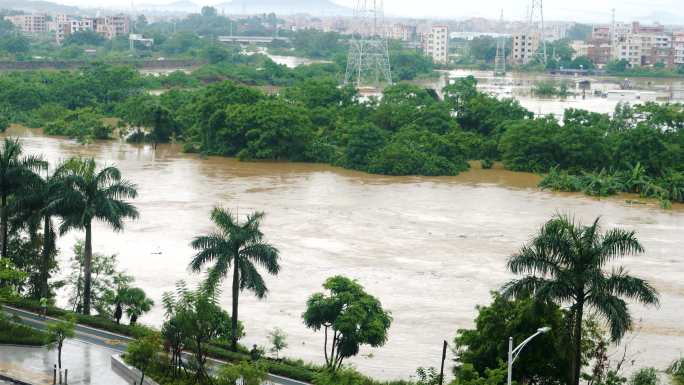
(181, 6)
(284, 7)
(39, 6)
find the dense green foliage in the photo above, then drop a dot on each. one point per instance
(482, 348)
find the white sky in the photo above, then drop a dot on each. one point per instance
(665, 11)
(669, 11)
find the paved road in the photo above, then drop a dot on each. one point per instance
(116, 342)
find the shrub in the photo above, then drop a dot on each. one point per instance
(645, 376)
(16, 334)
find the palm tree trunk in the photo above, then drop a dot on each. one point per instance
(45, 263)
(236, 292)
(3, 225)
(87, 269)
(577, 335)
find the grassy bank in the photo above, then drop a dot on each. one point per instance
(13, 333)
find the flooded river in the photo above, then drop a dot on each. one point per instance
(430, 249)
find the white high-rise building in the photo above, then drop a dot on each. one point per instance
(436, 44)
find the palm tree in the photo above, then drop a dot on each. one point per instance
(93, 194)
(240, 246)
(15, 173)
(136, 302)
(565, 264)
(41, 202)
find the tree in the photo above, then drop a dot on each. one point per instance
(43, 199)
(143, 352)
(16, 172)
(194, 319)
(242, 246)
(106, 281)
(136, 303)
(354, 317)
(544, 361)
(93, 194)
(90, 38)
(278, 339)
(59, 331)
(565, 263)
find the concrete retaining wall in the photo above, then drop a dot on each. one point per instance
(130, 374)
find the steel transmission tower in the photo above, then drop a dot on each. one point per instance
(500, 61)
(535, 24)
(368, 60)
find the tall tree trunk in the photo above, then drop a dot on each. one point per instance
(59, 356)
(577, 336)
(87, 269)
(3, 225)
(45, 262)
(236, 293)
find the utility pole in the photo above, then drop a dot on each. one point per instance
(500, 60)
(368, 59)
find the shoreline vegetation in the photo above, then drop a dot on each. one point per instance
(408, 131)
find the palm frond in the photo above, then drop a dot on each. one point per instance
(614, 310)
(621, 284)
(264, 255)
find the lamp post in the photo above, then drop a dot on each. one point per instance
(513, 353)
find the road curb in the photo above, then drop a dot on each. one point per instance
(14, 380)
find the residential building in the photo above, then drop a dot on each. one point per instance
(36, 23)
(580, 48)
(599, 53)
(112, 26)
(525, 47)
(436, 44)
(403, 32)
(678, 48)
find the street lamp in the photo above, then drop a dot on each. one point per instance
(513, 353)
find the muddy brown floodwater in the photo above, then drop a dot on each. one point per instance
(430, 248)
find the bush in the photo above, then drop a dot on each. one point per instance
(676, 370)
(92, 321)
(17, 334)
(645, 376)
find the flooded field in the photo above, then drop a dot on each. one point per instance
(430, 249)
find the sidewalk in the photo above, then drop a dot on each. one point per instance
(87, 363)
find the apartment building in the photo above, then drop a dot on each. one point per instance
(403, 32)
(436, 44)
(525, 47)
(29, 23)
(678, 48)
(112, 26)
(108, 26)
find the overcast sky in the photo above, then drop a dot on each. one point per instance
(669, 11)
(592, 11)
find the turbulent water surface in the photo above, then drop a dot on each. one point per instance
(430, 248)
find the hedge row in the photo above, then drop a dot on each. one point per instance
(89, 320)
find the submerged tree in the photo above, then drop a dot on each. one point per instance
(565, 264)
(240, 246)
(354, 317)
